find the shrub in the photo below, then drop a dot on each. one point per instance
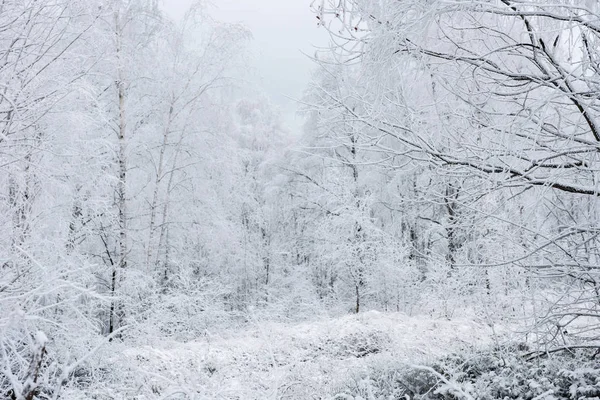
(501, 374)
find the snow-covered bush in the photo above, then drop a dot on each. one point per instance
(510, 375)
(389, 381)
(505, 373)
(357, 344)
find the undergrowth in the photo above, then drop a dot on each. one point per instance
(505, 373)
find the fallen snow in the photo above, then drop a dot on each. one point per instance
(41, 339)
(296, 361)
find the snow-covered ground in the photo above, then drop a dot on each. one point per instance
(286, 361)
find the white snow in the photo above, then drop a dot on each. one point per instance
(41, 338)
(277, 360)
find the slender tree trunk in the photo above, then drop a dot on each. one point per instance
(122, 194)
(359, 236)
(164, 228)
(357, 307)
(117, 310)
(76, 214)
(267, 256)
(159, 176)
(451, 202)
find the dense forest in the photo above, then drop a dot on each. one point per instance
(432, 231)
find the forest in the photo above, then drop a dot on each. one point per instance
(431, 231)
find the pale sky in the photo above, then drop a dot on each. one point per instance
(282, 30)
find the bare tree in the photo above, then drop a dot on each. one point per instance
(512, 92)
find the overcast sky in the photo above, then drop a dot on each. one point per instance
(282, 30)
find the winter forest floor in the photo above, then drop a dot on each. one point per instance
(269, 360)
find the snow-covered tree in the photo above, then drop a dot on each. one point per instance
(499, 90)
